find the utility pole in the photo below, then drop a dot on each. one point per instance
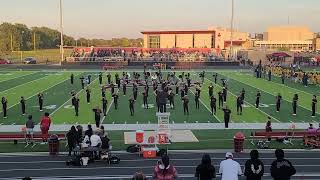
(34, 41)
(61, 33)
(231, 29)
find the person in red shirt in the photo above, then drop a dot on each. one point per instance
(45, 126)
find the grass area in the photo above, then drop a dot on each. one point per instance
(208, 139)
(53, 55)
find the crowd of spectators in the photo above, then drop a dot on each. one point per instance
(131, 54)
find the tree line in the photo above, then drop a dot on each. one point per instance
(19, 37)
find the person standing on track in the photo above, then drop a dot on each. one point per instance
(185, 101)
(40, 101)
(23, 105)
(45, 126)
(131, 105)
(239, 105)
(88, 94)
(295, 104)
(100, 78)
(213, 105)
(76, 105)
(104, 106)
(227, 113)
(71, 78)
(210, 90)
(220, 96)
(258, 99)
(314, 105)
(278, 102)
(196, 99)
(4, 103)
(115, 100)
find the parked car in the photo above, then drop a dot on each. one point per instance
(30, 60)
(5, 61)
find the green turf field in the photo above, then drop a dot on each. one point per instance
(56, 87)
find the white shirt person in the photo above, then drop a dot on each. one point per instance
(230, 169)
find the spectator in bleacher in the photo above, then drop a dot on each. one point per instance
(95, 139)
(139, 176)
(311, 129)
(254, 168)
(205, 170)
(89, 131)
(72, 139)
(229, 168)
(29, 128)
(79, 133)
(164, 170)
(281, 169)
(45, 126)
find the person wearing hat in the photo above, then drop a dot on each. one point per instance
(229, 168)
(254, 168)
(281, 169)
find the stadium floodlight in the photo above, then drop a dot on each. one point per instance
(61, 33)
(231, 30)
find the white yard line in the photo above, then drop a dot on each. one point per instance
(37, 94)
(268, 92)
(33, 72)
(249, 103)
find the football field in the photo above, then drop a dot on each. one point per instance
(56, 87)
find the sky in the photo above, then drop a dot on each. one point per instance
(127, 18)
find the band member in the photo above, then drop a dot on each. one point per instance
(40, 101)
(220, 96)
(226, 116)
(71, 78)
(295, 104)
(210, 90)
(171, 99)
(162, 96)
(278, 102)
(239, 105)
(282, 77)
(213, 105)
(23, 105)
(112, 87)
(269, 75)
(73, 97)
(243, 93)
(89, 78)
(215, 78)
(186, 89)
(258, 99)
(118, 82)
(145, 100)
(76, 105)
(224, 93)
(124, 88)
(109, 78)
(131, 106)
(82, 82)
(104, 106)
(88, 94)
(4, 103)
(196, 99)
(177, 88)
(103, 91)
(185, 101)
(314, 105)
(115, 100)
(100, 78)
(135, 91)
(97, 116)
(182, 93)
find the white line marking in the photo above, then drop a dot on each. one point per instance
(15, 77)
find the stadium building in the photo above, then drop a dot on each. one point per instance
(214, 38)
(293, 38)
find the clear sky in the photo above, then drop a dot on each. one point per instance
(126, 18)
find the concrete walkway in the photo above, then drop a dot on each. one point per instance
(186, 126)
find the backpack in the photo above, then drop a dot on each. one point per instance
(114, 160)
(133, 148)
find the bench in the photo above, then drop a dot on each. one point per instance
(281, 134)
(21, 136)
(112, 67)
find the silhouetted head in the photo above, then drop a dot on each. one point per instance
(279, 154)
(254, 154)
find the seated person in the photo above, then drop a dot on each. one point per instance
(95, 140)
(311, 129)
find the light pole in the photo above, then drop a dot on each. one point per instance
(61, 33)
(231, 29)
(21, 41)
